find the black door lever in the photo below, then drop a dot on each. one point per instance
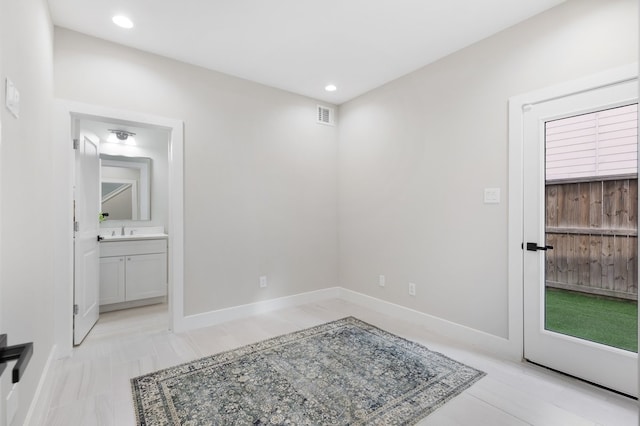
(10, 353)
(536, 247)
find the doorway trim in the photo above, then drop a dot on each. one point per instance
(517, 105)
(66, 112)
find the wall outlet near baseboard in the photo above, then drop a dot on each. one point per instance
(381, 281)
(263, 281)
(412, 289)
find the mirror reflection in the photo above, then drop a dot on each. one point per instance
(125, 187)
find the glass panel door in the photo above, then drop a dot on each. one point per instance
(580, 235)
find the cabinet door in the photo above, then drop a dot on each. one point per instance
(112, 275)
(146, 276)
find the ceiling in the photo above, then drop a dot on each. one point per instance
(301, 45)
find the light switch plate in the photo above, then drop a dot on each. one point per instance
(12, 98)
(492, 195)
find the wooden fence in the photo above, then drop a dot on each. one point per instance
(593, 227)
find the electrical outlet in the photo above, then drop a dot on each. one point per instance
(263, 281)
(12, 101)
(381, 281)
(412, 289)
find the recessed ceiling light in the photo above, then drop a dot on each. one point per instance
(122, 21)
(330, 88)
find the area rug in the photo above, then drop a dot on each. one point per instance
(345, 372)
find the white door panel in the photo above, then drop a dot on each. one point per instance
(605, 365)
(2, 389)
(86, 247)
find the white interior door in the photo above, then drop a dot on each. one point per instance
(2, 330)
(86, 246)
(579, 356)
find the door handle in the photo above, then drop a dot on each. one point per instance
(536, 247)
(10, 353)
(100, 238)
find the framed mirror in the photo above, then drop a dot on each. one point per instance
(125, 185)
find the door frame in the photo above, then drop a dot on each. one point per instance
(517, 105)
(66, 114)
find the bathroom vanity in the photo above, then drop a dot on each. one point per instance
(133, 269)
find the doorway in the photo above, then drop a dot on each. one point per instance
(579, 232)
(68, 114)
(126, 193)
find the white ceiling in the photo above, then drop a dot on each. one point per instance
(301, 45)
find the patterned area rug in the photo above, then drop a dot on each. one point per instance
(345, 372)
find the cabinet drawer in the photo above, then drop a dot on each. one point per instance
(125, 248)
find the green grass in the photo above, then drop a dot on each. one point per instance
(613, 322)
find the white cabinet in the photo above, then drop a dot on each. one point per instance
(132, 270)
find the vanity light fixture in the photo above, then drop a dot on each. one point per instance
(120, 136)
(122, 21)
(330, 88)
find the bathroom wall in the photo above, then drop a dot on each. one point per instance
(260, 173)
(27, 246)
(416, 154)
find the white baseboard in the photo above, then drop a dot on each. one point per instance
(237, 312)
(40, 403)
(480, 340)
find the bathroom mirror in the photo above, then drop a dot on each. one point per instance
(125, 184)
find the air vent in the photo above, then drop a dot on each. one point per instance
(325, 115)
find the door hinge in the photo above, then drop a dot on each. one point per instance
(76, 144)
(76, 226)
(75, 309)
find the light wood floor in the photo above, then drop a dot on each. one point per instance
(92, 387)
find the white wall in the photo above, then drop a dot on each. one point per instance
(260, 174)
(416, 154)
(26, 246)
